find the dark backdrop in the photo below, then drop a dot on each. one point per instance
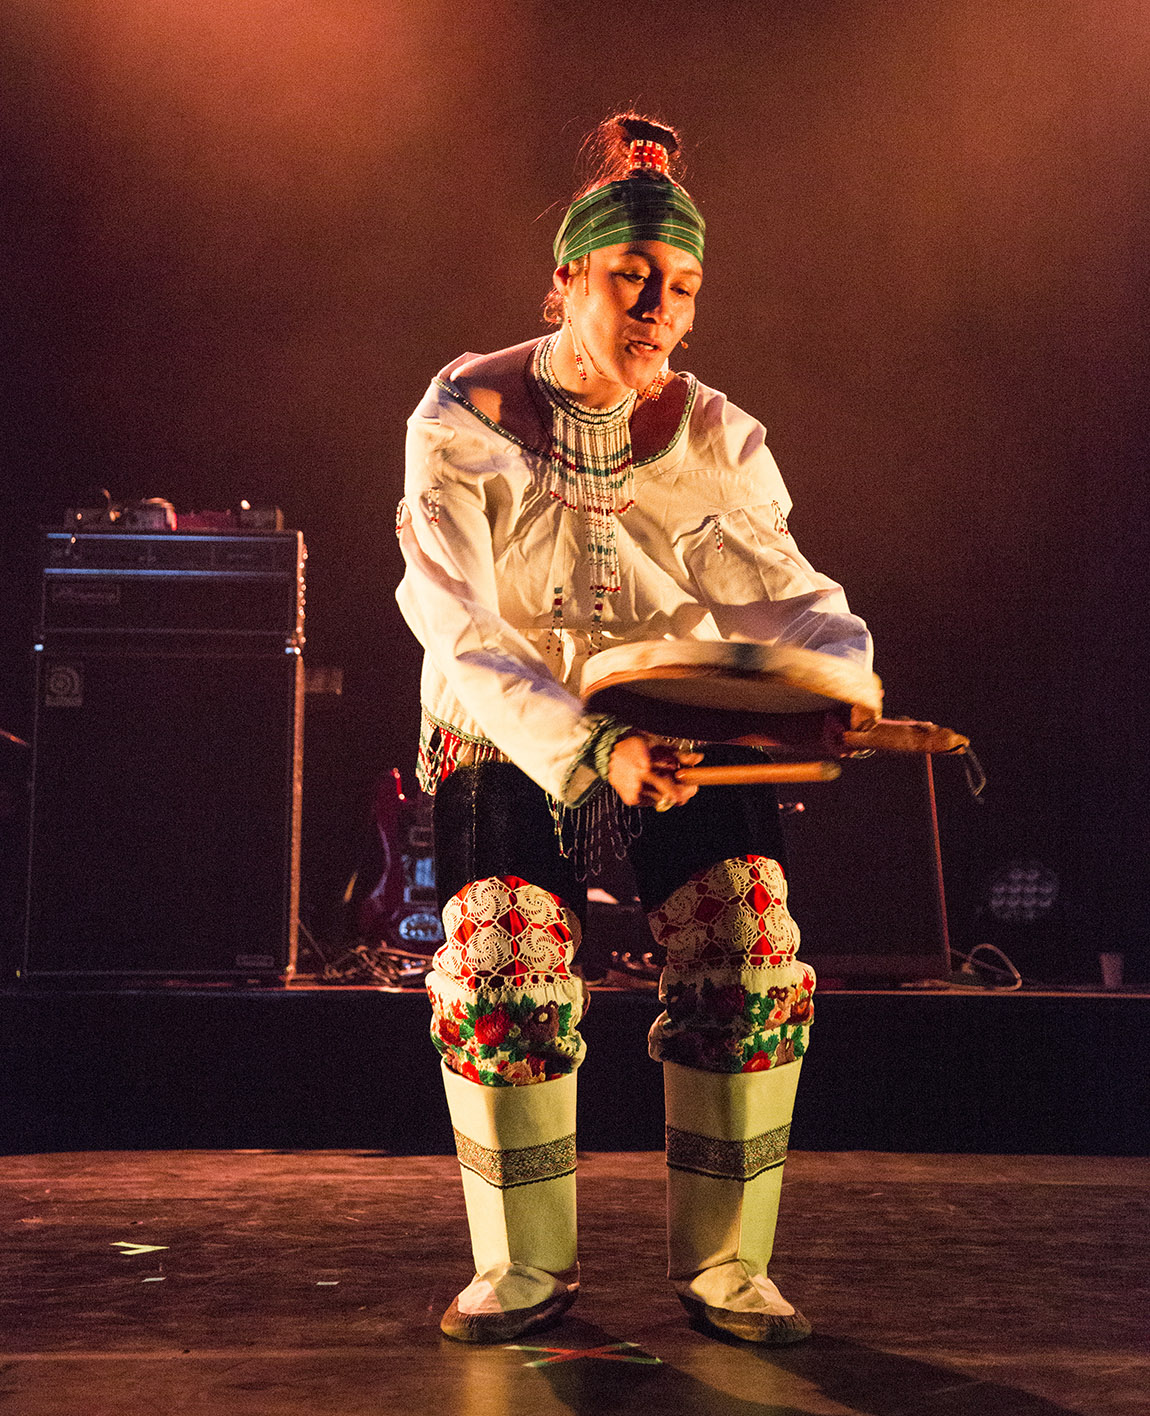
(240, 238)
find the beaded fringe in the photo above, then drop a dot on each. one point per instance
(590, 467)
(443, 748)
(599, 829)
(596, 832)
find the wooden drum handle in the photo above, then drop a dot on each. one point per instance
(744, 775)
(904, 735)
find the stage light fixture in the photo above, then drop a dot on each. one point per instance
(1024, 892)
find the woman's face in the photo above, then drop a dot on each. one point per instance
(630, 305)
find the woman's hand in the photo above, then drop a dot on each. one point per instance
(642, 771)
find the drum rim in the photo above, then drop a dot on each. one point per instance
(835, 679)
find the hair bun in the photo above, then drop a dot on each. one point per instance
(606, 155)
(639, 129)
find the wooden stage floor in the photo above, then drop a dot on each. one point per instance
(266, 1283)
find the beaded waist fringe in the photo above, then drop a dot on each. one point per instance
(443, 748)
(596, 831)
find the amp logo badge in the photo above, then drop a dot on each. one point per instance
(64, 687)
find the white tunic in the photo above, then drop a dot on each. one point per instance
(497, 591)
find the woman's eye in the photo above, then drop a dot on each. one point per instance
(633, 276)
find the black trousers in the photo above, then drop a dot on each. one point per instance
(491, 819)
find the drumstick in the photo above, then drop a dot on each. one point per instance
(744, 774)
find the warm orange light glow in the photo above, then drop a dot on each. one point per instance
(268, 91)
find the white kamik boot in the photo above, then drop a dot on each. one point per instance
(726, 1144)
(516, 1148)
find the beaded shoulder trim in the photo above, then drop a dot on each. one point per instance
(447, 387)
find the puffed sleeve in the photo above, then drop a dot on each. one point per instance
(449, 599)
(742, 558)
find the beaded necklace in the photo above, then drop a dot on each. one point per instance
(589, 466)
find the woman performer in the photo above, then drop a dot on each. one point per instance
(562, 496)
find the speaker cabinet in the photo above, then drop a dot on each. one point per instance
(165, 813)
(865, 873)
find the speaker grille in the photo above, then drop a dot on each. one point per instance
(165, 813)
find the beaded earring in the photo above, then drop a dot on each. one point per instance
(682, 342)
(575, 344)
(655, 387)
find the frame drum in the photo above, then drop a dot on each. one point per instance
(722, 691)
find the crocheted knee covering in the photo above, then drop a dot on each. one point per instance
(736, 998)
(506, 1006)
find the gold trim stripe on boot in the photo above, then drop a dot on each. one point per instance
(526, 1166)
(727, 1160)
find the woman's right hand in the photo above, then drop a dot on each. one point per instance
(642, 771)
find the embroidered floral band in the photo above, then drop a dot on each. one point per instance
(509, 1168)
(727, 1160)
(507, 1039)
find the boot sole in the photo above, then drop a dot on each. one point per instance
(489, 1328)
(767, 1329)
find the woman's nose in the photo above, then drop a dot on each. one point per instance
(654, 301)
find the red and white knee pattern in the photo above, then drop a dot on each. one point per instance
(506, 1004)
(736, 997)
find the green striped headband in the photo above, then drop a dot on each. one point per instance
(638, 208)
